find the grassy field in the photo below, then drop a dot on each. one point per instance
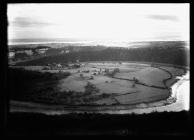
(120, 87)
(98, 83)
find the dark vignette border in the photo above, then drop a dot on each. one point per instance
(83, 124)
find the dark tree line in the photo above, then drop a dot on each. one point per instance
(171, 53)
(25, 84)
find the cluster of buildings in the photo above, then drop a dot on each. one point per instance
(64, 51)
(12, 54)
(41, 51)
(59, 66)
(101, 71)
(28, 52)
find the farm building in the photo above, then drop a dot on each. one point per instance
(11, 54)
(67, 51)
(42, 50)
(29, 52)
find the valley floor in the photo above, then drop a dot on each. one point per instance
(151, 93)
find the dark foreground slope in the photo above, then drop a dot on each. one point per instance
(93, 124)
(162, 52)
(26, 85)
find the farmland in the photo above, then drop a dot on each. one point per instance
(101, 84)
(95, 77)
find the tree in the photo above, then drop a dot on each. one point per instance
(81, 75)
(133, 85)
(135, 80)
(91, 88)
(116, 70)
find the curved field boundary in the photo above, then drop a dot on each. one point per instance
(153, 86)
(169, 78)
(155, 65)
(97, 108)
(145, 62)
(140, 83)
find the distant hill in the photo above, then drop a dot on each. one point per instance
(171, 52)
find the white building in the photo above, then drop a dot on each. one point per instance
(77, 60)
(59, 65)
(43, 50)
(62, 52)
(67, 51)
(29, 52)
(11, 54)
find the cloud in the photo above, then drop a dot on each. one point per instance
(163, 17)
(28, 22)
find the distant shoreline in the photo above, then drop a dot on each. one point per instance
(90, 42)
(36, 43)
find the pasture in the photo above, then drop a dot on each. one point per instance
(134, 83)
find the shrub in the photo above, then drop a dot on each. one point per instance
(91, 88)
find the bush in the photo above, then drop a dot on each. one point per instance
(91, 88)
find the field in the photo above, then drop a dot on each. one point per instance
(112, 83)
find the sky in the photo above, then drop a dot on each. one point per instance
(101, 22)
